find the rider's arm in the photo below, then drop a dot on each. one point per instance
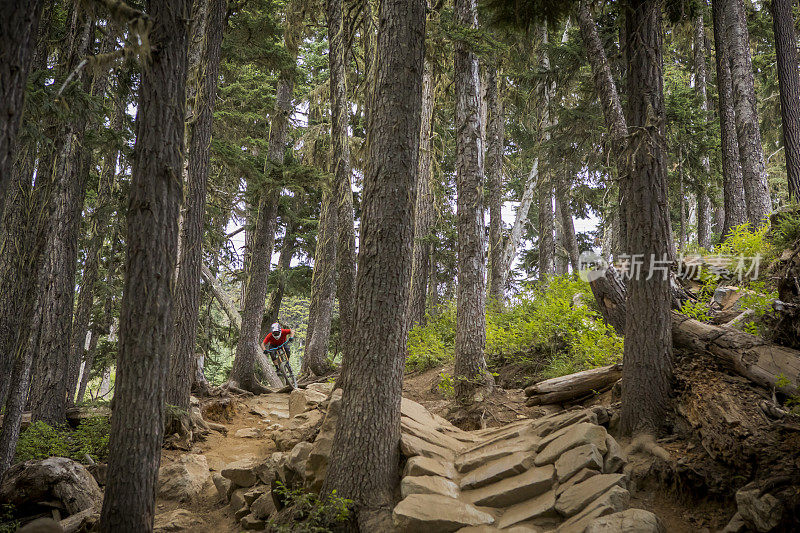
(263, 346)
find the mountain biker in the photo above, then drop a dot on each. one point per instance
(276, 337)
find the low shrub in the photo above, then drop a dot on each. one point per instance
(308, 512)
(40, 441)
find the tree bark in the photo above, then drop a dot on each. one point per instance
(546, 213)
(732, 180)
(470, 366)
(700, 76)
(340, 165)
(648, 346)
(612, 111)
(568, 237)
(187, 288)
(284, 264)
(146, 314)
(495, 129)
(737, 40)
(320, 309)
(365, 453)
(56, 292)
(789, 83)
(18, 29)
(424, 210)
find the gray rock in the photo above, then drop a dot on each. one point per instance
(629, 521)
(432, 512)
(185, 479)
(222, 484)
(263, 507)
(473, 459)
(514, 489)
(428, 485)
(542, 505)
(578, 496)
(242, 473)
(496, 470)
(761, 512)
(412, 446)
(250, 522)
(735, 525)
(425, 466)
(615, 459)
(302, 400)
(54, 478)
(576, 459)
(583, 475)
(576, 435)
(177, 520)
(248, 433)
(237, 500)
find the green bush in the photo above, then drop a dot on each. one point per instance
(744, 243)
(541, 328)
(40, 441)
(696, 310)
(8, 524)
(307, 512)
(786, 231)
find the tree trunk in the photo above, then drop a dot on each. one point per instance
(612, 111)
(284, 264)
(88, 361)
(546, 214)
(340, 165)
(18, 29)
(751, 153)
(470, 365)
(146, 314)
(187, 288)
(732, 180)
(365, 452)
(520, 221)
(568, 238)
(320, 309)
(56, 293)
(424, 210)
(648, 346)
(573, 386)
(495, 129)
(789, 82)
(700, 76)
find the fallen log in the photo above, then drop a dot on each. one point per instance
(572, 386)
(769, 365)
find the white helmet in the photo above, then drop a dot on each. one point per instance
(276, 329)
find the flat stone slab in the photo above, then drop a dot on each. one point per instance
(470, 460)
(615, 459)
(435, 513)
(428, 485)
(496, 470)
(514, 489)
(578, 496)
(242, 473)
(411, 446)
(426, 466)
(628, 521)
(430, 434)
(583, 475)
(576, 435)
(576, 459)
(550, 424)
(542, 505)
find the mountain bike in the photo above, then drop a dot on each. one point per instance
(281, 362)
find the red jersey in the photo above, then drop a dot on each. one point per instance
(270, 340)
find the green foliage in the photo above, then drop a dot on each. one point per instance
(541, 329)
(40, 441)
(446, 385)
(744, 244)
(697, 310)
(308, 512)
(7, 522)
(786, 231)
(758, 299)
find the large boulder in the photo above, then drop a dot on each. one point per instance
(572, 437)
(242, 473)
(185, 479)
(628, 521)
(762, 512)
(428, 485)
(578, 496)
(433, 512)
(53, 479)
(302, 400)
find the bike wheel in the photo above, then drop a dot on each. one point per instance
(289, 373)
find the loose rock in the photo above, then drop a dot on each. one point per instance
(432, 512)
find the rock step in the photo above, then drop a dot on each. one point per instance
(514, 489)
(432, 512)
(497, 470)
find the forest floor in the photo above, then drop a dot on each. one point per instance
(654, 491)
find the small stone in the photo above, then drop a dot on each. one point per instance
(735, 525)
(302, 400)
(425, 466)
(263, 507)
(241, 513)
(761, 512)
(323, 388)
(572, 461)
(184, 479)
(432, 512)
(628, 521)
(253, 494)
(473, 459)
(428, 485)
(550, 424)
(248, 433)
(579, 522)
(237, 500)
